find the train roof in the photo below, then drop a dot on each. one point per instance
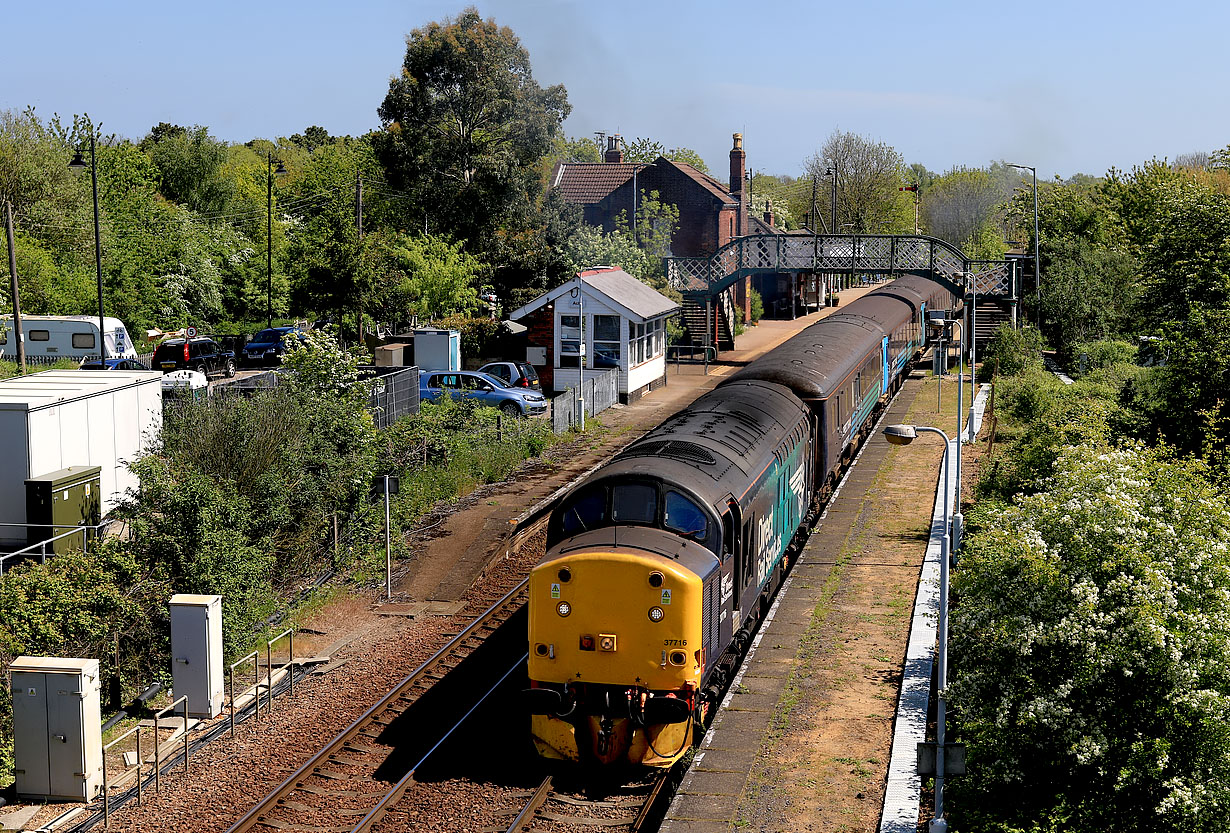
(814, 362)
(727, 435)
(914, 290)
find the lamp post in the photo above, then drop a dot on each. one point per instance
(77, 163)
(1037, 261)
(269, 238)
(578, 293)
(904, 435)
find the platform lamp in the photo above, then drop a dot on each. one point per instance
(904, 435)
(1037, 261)
(77, 163)
(269, 235)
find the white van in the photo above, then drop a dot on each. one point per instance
(64, 337)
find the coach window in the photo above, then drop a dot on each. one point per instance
(39, 335)
(684, 517)
(634, 503)
(83, 341)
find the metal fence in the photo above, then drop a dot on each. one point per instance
(597, 392)
(394, 395)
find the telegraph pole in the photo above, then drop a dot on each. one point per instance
(17, 331)
(358, 222)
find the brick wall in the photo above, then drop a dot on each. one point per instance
(540, 332)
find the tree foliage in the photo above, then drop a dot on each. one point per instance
(869, 174)
(1091, 645)
(465, 123)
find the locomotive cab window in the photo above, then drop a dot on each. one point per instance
(634, 503)
(684, 517)
(584, 512)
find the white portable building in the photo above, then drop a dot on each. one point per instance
(60, 418)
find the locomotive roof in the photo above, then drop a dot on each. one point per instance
(720, 444)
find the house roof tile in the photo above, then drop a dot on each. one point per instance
(586, 183)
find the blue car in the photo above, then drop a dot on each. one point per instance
(266, 347)
(483, 387)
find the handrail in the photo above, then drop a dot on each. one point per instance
(106, 783)
(157, 716)
(42, 545)
(290, 632)
(256, 672)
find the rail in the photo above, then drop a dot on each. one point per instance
(399, 698)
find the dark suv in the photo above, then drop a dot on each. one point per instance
(200, 354)
(517, 374)
(268, 346)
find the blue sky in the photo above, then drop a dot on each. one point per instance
(1067, 86)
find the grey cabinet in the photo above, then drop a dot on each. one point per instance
(57, 737)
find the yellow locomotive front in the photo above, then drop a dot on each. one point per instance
(616, 656)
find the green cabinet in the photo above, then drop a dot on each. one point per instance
(60, 500)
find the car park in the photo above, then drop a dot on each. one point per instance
(482, 387)
(267, 346)
(113, 364)
(200, 354)
(517, 374)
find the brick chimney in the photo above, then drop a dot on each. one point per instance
(768, 212)
(614, 148)
(738, 166)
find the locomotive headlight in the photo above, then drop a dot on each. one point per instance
(656, 614)
(563, 608)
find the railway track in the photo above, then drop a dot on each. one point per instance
(342, 787)
(539, 810)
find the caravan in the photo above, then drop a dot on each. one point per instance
(50, 337)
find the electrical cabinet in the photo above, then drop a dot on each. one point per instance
(196, 652)
(57, 728)
(62, 499)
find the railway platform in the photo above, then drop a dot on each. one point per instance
(803, 739)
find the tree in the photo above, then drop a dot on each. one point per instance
(647, 151)
(189, 163)
(1091, 651)
(466, 124)
(869, 175)
(960, 203)
(312, 138)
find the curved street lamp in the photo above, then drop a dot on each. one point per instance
(904, 435)
(77, 163)
(269, 236)
(1037, 261)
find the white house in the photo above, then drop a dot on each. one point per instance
(601, 320)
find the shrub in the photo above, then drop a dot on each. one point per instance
(1010, 352)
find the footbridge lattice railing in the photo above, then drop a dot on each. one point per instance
(880, 254)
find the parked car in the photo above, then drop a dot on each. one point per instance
(267, 346)
(200, 354)
(113, 364)
(487, 389)
(517, 374)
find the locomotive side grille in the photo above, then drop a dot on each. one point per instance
(706, 616)
(687, 452)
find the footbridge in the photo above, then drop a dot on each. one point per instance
(842, 260)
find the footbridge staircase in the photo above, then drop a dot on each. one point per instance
(844, 260)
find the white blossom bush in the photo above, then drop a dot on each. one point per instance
(1091, 651)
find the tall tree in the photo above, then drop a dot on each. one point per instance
(869, 175)
(466, 124)
(960, 203)
(189, 162)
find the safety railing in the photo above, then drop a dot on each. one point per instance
(158, 716)
(707, 353)
(266, 684)
(106, 778)
(40, 548)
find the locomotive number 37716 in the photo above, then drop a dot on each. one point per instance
(680, 642)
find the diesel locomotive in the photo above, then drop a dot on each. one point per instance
(660, 563)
